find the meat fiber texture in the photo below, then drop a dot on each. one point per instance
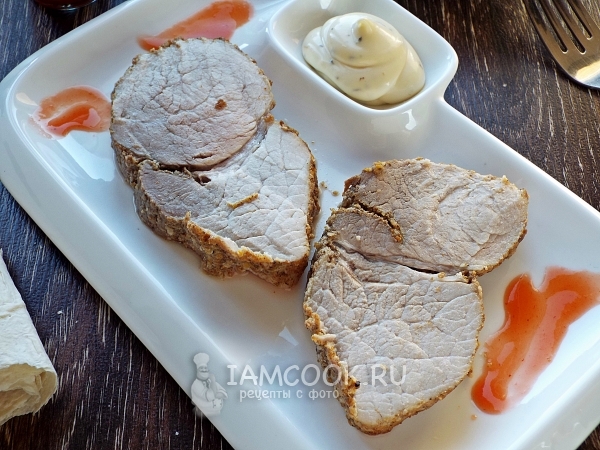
(210, 166)
(392, 300)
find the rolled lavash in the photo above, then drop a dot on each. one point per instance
(27, 377)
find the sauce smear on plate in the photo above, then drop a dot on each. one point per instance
(218, 20)
(75, 108)
(536, 322)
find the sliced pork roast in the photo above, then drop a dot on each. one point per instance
(392, 300)
(450, 219)
(209, 165)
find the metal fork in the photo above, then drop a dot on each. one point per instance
(581, 59)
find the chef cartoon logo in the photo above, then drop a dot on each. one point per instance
(207, 394)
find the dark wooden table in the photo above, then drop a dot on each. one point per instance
(112, 391)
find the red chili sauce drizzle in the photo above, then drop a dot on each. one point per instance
(535, 324)
(75, 108)
(218, 20)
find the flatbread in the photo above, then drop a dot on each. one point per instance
(27, 377)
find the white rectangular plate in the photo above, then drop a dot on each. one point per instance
(71, 188)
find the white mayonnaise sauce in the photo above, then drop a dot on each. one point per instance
(366, 58)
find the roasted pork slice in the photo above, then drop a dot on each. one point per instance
(193, 103)
(396, 340)
(392, 300)
(450, 219)
(210, 166)
(247, 214)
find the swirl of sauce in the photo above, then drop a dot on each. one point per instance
(81, 108)
(366, 58)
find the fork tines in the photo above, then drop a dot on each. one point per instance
(571, 35)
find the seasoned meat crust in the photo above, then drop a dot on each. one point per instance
(209, 165)
(393, 290)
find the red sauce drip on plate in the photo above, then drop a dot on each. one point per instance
(218, 20)
(535, 324)
(75, 108)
